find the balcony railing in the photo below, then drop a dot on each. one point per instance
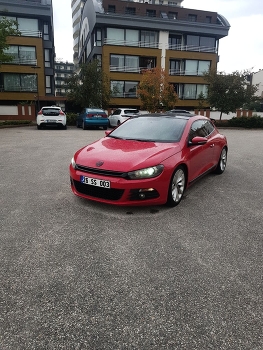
(128, 69)
(35, 33)
(192, 48)
(153, 45)
(184, 72)
(26, 60)
(14, 88)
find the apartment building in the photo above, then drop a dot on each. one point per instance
(63, 70)
(76, 8)
(130, 36)
(29, 78)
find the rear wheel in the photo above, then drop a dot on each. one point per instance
(38, 127)
(222, 162)
(105, 127)
(84, 126)
(177, 187)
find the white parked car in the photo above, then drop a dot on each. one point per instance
(51, 116)
(120, 115)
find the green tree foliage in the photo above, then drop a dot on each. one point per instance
(201, 100)
(227, 92)
(89, 87)
(7, 28)
(155, 90)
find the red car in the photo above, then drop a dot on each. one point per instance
(148, 160)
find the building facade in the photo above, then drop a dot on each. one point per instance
(130, 36)
(63, 70)
(29, 77)
(76, 8)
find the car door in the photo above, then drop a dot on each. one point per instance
(200, 156)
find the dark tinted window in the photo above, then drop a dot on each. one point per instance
(127, 111)
(201, 128)
(50, 111)
(151, 128)
(209, 127)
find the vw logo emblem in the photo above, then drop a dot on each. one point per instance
(99, 163)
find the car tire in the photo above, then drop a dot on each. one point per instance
(38, 127)
(84, 126)
(176, 187)
(77, 124)
(105, 127)
(221, 165)
(65, 127)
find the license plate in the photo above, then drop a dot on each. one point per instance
(50, 121)
(94, 182)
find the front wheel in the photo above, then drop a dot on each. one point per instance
(221, 165)
(176, 187)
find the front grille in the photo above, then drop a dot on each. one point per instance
(86, 169)
(98, 192)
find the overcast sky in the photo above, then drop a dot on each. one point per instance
(242, 49)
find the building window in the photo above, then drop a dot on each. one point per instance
(130, 11)
(192, 91)
(175, 42)
(208, 19)
(46, 31)
(48, 84)
(149, 39)
(47, 58)
(98, 58)
(111, 8)
(97, 37)
(150, 13)
(176, 67)
(124, 89)
(20, 82)
(22, 54)
(172, 15)
(117, 36)
(28, 26)
(192, 18)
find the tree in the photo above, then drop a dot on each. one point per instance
(155, 91)
(227, 92)
(7, 28)
(89, 87)
(201, 100)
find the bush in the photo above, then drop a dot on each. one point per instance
(71, 119)
(246, 122)
(15, 122)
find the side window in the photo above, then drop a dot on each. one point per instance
(209, 127)
(117, 112)
(198, 128)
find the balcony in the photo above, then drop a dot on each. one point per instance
(25, 59)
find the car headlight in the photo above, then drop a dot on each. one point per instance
(146, 173)
(73, 163)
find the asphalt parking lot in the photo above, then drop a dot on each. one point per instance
(81, 275)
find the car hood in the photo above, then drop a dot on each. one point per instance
(124, 155)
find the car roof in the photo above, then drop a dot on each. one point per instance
(165, 115)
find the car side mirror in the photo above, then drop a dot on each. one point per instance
(198, 140)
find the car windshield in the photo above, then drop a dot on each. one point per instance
(50, 111)
(151, 128)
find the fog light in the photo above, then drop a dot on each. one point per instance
(141, 195)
